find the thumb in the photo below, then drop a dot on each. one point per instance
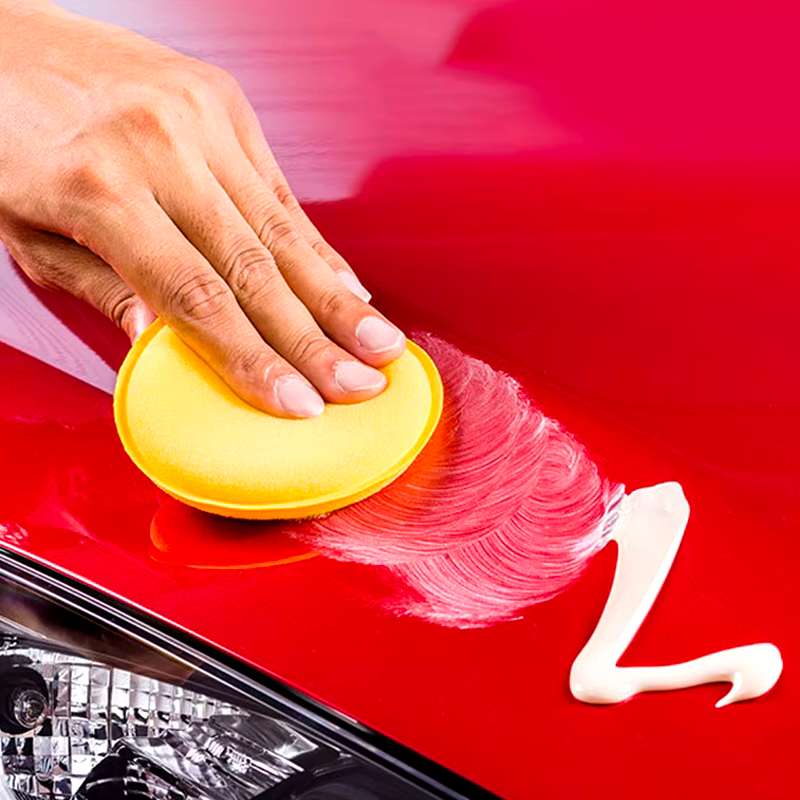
(58, 263)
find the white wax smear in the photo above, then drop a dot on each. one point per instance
(648, 534)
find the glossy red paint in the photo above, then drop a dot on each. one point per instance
(603, 199)
(503, 508)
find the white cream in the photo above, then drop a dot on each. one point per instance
(648, 534)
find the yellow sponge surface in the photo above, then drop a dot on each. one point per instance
(185, 429)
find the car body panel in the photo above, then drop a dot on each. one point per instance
(616, 230)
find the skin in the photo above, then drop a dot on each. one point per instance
(139, 180)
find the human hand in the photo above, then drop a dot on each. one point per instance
(139, 179)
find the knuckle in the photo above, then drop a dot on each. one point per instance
(250, 271)
(252, 365)
(197, 91)
(283, 234)
(119, 309)
(333, 303)
(326, 252)
(198, 297)
(275, 231)
(90, 196)
(150, 120)
(285, 197)
(191, 95)
(309, 347)
(322, 249)
(219, 77)
(89, 180)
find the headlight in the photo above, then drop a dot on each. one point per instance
(97, 703)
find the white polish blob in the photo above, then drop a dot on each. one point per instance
(648, 534)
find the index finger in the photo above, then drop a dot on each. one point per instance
(177, 282)
(249, 134)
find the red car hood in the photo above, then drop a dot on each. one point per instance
(640, 279)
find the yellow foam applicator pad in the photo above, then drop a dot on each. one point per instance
(187, 431)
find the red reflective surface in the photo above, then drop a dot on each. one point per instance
(602, 199)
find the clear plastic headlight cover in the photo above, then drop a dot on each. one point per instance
(97, 703)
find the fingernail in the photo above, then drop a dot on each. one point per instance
(375, 335)
(354, 285)
(353, 376)
(297, 398)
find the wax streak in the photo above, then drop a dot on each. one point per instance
(503, 509)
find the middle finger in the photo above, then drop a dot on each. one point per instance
(209, 219)
(347, 319)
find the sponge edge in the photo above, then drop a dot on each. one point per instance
(196, 440)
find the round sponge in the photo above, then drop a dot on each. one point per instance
(195, 439)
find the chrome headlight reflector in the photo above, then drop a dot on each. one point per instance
(98, 703)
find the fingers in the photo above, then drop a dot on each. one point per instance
(254, 145)
(209, 219)
(275, 182)
(60, 263)
(342, 315)
(179, 284)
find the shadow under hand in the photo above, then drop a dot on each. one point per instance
(186, 537)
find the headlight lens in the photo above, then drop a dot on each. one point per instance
(94, 710)
(73, 724)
